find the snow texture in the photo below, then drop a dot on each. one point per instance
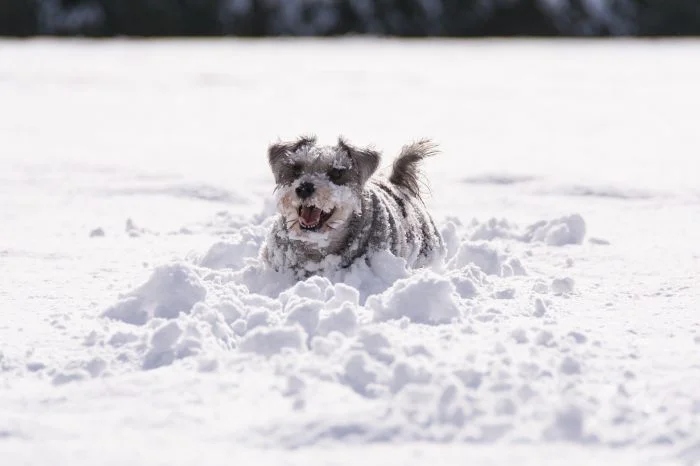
(560, 329)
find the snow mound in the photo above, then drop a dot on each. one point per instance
(559, 232)
(465, 351)
(425, 298)
(233, 252)
(268, 341)
(172, 289)
(487, 258)
(570, 229)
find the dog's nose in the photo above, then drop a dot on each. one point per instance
(305, 190)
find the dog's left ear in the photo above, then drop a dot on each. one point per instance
(366, 160)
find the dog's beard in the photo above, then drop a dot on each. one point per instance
(320, 218)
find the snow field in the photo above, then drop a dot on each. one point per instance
(139, 326)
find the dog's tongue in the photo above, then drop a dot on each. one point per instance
(310, 215)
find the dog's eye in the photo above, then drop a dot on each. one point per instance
(336, 174)
(296, 170)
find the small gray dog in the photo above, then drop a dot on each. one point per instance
(333, 212)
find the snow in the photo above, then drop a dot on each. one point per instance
(425, 298)
(562, 328)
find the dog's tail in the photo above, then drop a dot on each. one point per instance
(405, 173)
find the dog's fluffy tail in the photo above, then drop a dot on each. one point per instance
(405, 174)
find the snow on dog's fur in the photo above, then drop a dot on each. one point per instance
(332, 211)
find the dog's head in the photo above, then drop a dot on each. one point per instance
(319, 187)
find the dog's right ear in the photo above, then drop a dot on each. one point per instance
(277, 151)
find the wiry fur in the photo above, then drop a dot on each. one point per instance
(360, 213)
(405, 173)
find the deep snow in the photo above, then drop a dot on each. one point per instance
(138, 324)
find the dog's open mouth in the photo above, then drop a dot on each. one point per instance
(312, 218)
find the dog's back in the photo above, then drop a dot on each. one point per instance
(394, 213)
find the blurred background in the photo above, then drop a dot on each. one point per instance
(406, 18)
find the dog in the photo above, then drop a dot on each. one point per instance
(334, 212)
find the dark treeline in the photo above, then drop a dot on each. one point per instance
(409, 18)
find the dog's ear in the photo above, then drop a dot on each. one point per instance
(277, 151)
(366, 160)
